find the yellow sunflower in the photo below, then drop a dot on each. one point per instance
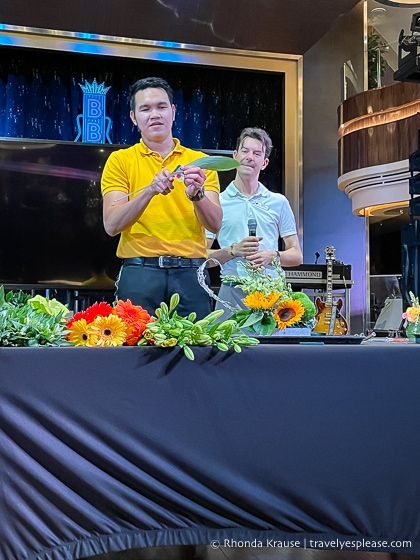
(108, 331)
(79, 334)
(288, 313)
(259, 300)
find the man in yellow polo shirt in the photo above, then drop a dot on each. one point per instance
(162, 226)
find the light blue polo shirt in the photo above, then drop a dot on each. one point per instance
(274, 218)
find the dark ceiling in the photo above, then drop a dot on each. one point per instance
(282, 26)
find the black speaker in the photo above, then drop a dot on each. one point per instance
(414, 184)
(414, 207)
(414, 161)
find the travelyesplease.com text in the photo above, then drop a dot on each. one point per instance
(335, 544)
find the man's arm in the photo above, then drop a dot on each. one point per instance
(248, 245)
(120, 213)
(248, 249)
(208, 209)
(292, 255)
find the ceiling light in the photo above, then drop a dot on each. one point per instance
(378, 11)
(377, 14)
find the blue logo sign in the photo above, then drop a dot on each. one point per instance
(96, 125)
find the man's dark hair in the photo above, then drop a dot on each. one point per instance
(146, 83)
(257, 134)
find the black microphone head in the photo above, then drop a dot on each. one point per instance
(252, 227)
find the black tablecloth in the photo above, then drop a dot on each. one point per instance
(111, 449)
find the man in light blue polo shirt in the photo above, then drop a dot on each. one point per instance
(244, 200)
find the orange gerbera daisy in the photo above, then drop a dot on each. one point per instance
(134, 333)
(135, 318)
(259, 300)
(130, 313)
(108, 331)
(288, 313)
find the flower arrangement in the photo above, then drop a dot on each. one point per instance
(271, 302)
(38, 321)
(412, 314)
(126, 324)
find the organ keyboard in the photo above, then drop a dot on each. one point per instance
(314, 276)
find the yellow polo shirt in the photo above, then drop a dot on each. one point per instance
(169, 225)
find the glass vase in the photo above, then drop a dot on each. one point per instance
(412, 329)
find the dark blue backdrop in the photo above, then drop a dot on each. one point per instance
(40, 97)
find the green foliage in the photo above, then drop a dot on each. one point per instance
(48, 306)
(308, 304)
(216, 163)
(262, 321)
(414, 300)
(376, 47)
(170, 329)
(256, 279)
(13, 298)
(21, 324)
(258, 321)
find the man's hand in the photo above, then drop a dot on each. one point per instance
(247, 247)
(194, 178)
(162, 183)
(262, 258)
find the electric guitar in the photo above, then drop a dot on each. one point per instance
(329, 319)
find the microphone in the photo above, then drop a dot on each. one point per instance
(252, 227)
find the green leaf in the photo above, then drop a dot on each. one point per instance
(164, 308)
(48, 306)
(242, 316)
(174, 301)
(246, 340)
(211, 317)
(188, 353)
(265, 326)
(216, 163)
(254, 318)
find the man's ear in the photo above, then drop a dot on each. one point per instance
(266, 162)
(173, 113)
(234, 154)
(133, 118)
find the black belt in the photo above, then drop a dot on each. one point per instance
(165, 262)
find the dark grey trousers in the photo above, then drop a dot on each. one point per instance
(148, 286)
